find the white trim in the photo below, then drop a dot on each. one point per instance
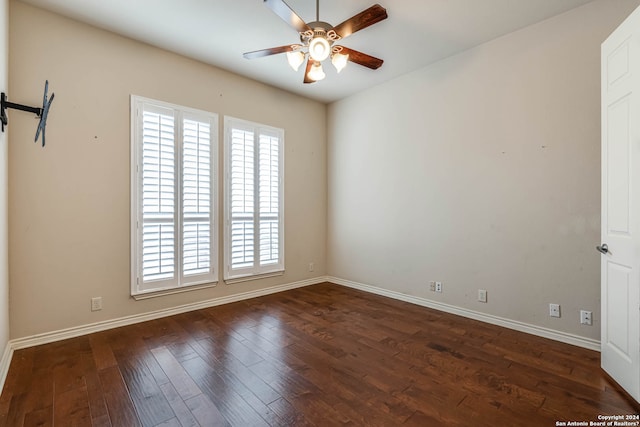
(250, 277)
(77, 331)
(231, 275)
(5, 362)
(171, 291)
(540, 331)
(63, 334)
(138, 106)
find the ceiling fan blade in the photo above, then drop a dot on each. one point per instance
(306, 72)
(362, 58)
(271, 51)
(364, 19)
(280, 8)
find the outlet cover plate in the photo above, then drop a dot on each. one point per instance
(482, 295)
(554, 310)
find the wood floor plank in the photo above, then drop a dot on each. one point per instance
(119, 403)
(71, 408)
(40, 417)
(97, 404)
(205, 412)
(283, 379)
(183, 413)
(173, 422)
(196, 324)
(315, 356)
(101, 421)
(101, 350)
(16, 414)
(149, 401)
(213, 384)
(181, 381)
(42, 392)
(22, 365)
(287, 414)
(260, 388)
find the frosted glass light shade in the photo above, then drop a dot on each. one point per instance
(339, 61)
(295, 59)
(319, 48)
(316, 73)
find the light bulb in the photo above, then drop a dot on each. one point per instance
(339, 61)
(295, 59)
(316, 72)
(319, 48)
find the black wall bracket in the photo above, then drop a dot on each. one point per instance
(39, 112)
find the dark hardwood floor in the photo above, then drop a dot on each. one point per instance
(321, 355)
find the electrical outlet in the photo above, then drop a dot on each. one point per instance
(482, 295)
(438, 286)
(554, 310)
(586, 317)
(432, 286)
(96, 304)
(311, 267)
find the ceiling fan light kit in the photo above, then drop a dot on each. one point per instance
(318, 39)
(339, 61)
(319, 48)
(295, 59)
(316, 73)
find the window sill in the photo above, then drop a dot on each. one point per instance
(164, 292)
(250, 277)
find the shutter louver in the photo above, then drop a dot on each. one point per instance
(196, 197)
(242, 199)
(158, 197)
(269, 199)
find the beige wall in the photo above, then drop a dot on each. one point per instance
(481, 171)
(69, 202)
(4, 141)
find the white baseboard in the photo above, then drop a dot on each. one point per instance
(77, 331)
(63, 334)
(5, 362)
(564, 337)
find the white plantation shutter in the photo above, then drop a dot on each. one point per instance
(173, 196)
(196, 197)
(269, 179)
(253, 187)
(242, 198)
(158, 195)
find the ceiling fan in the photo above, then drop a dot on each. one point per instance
(318, 38)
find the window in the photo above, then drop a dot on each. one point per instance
(173, 197)
(253, 240)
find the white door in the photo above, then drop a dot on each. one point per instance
(620, 270)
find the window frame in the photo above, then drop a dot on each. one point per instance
(256, 271)
(179, 282)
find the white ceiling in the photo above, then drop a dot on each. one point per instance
(417, 33)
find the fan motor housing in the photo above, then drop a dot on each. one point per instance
(320, 29)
